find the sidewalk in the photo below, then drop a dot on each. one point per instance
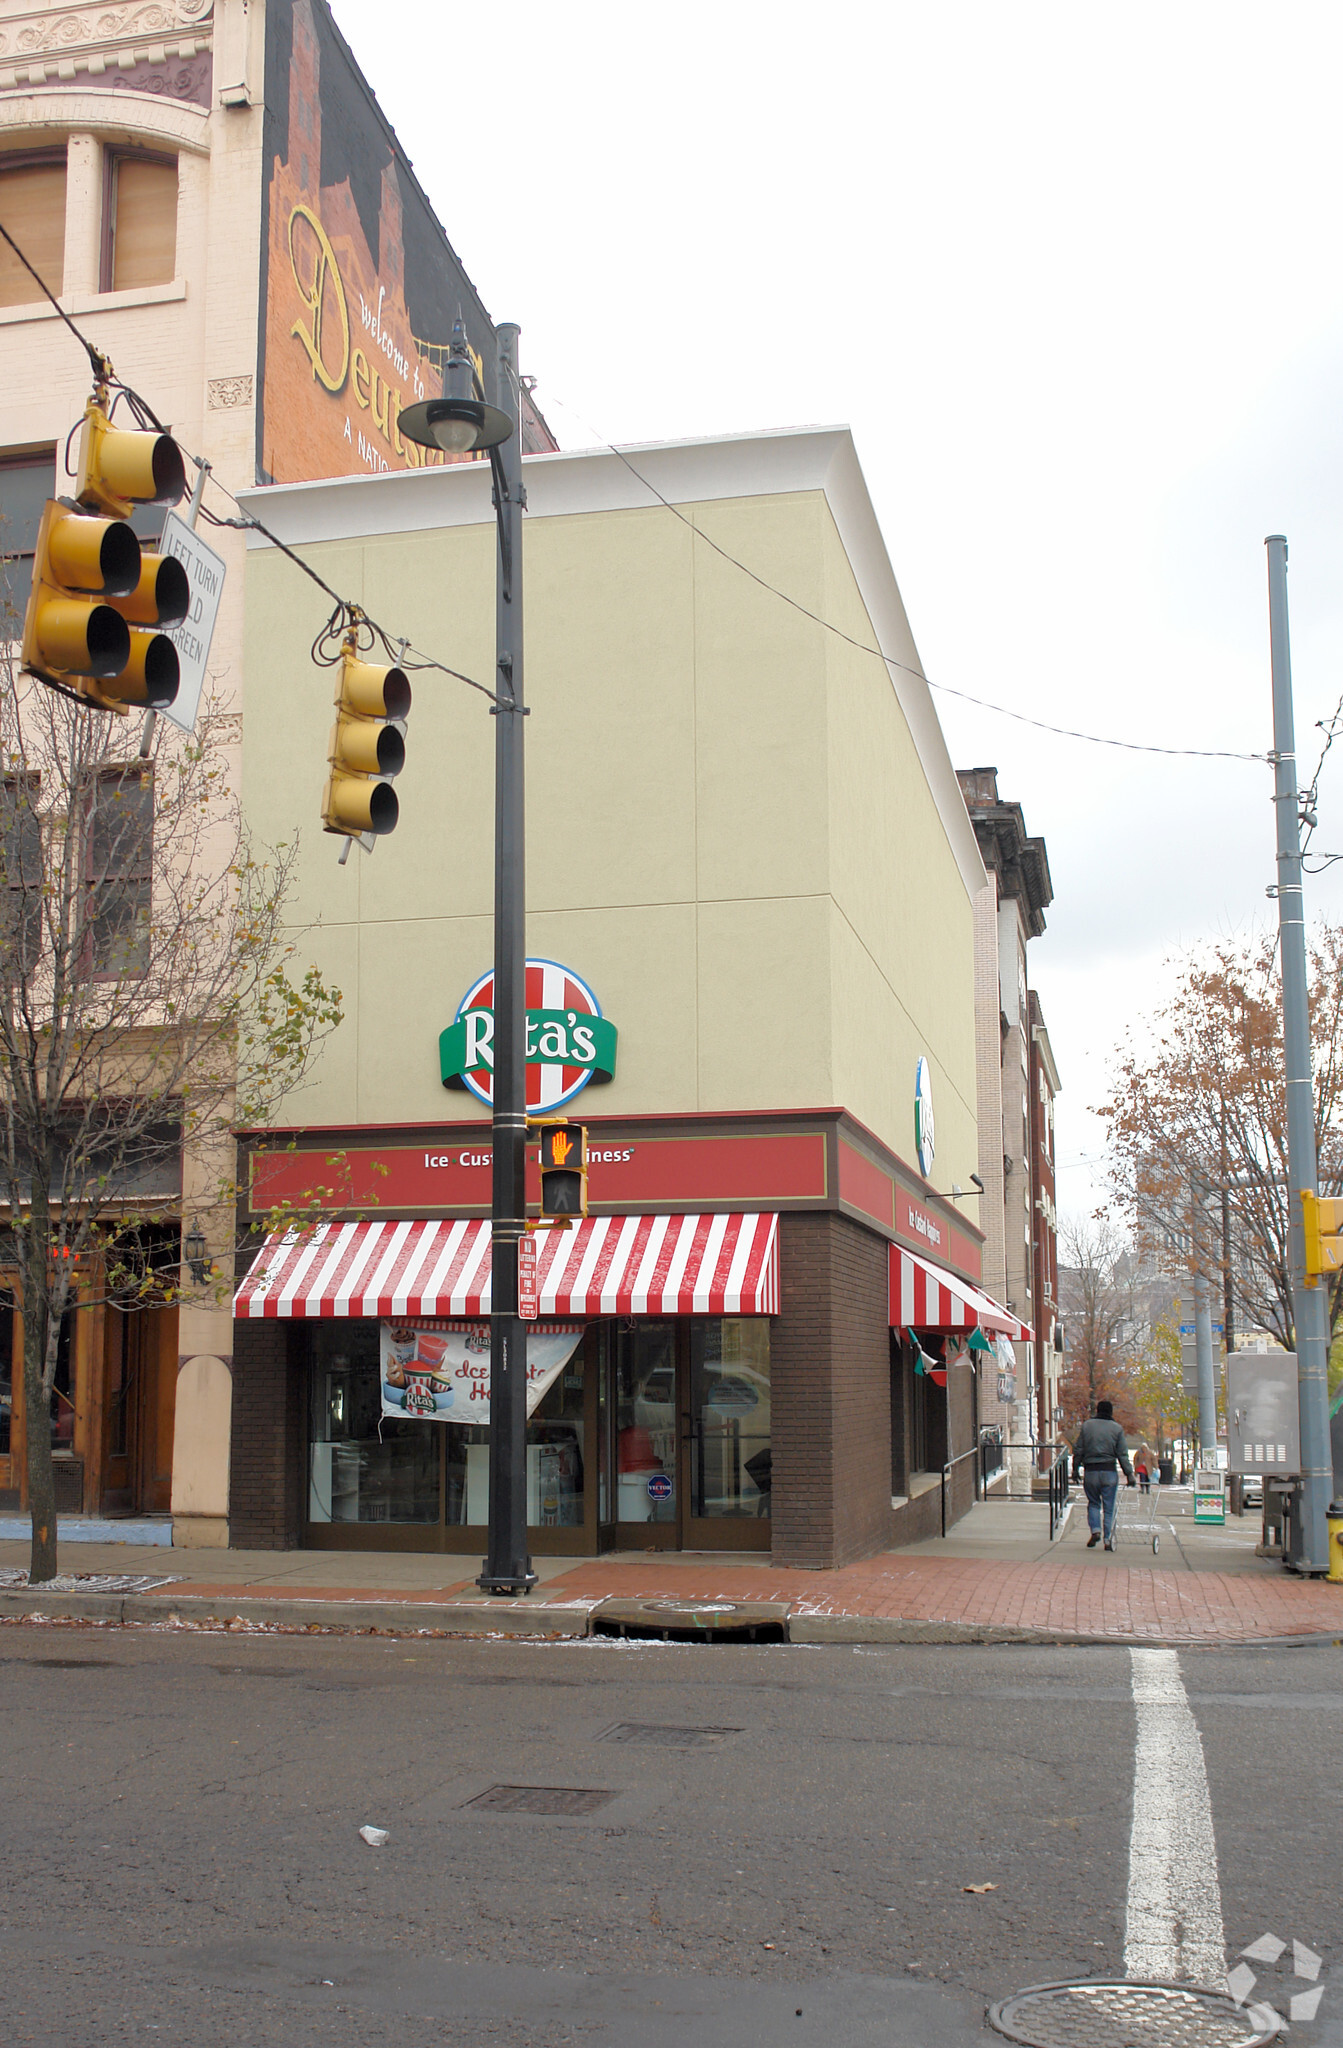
(996, 1578)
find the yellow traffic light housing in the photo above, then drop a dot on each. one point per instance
(96, 594)
(564, 1170)
(366, 748)
(1323, 1215)
(119, 469)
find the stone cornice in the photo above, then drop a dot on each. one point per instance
(57, 46)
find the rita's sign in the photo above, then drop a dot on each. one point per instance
(569, 1042)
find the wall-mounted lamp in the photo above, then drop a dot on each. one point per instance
(195, 1249)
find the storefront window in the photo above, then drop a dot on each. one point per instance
(364, 1466)
(731, 1456)
(62, 1392)
(555, 1461)
(645, 1377)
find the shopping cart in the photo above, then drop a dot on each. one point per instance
(1136, 1517)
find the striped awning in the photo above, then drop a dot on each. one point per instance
(928, 1297)
(725, 1265)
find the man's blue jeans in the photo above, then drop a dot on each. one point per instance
(1102, 1491)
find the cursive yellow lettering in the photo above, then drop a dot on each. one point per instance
(311, 279)
(359, 376)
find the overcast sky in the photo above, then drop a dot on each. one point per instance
(1071, 273)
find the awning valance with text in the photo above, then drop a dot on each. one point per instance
(712, 1265)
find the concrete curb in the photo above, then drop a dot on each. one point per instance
(454, 1617)
(571, 1620)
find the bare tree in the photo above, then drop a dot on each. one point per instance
(1197, 1122)
(146, 1005)
(1097, 1305)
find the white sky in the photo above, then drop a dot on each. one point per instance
(1072, 275)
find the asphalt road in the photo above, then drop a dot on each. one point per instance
(182, 1863)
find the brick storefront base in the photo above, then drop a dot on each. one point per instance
(830, 1395)
(268, 1447)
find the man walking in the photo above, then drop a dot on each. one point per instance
(1099, 1452)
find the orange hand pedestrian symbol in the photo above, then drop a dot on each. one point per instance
(561, 1145)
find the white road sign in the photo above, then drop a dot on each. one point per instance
(205, 573)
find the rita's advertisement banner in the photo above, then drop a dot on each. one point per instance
(440, 1371)
(360, 286)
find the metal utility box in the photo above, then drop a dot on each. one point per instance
(1262, 1413)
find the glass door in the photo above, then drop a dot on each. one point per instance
(689, 1434)
(726, 1436)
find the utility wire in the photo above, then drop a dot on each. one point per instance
(346, 614)
(1040, 724)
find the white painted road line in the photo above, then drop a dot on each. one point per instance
(1173, 1932)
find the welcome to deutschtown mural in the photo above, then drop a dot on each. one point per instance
(360, 285)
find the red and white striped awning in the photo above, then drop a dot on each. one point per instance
(725, 1265)
(928, 1297)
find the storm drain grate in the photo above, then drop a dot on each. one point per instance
(554, 1799)
(658, 1736)
(1129, 2015)
(693, 1621)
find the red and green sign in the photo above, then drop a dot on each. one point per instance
(569, 1042)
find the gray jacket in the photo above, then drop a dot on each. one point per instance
(1100, 1447)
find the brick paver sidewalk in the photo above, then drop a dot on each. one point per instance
(1124, 1603)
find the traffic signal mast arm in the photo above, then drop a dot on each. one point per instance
(1323, 1215)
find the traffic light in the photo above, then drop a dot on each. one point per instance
(1324, 1245)
(97, 596)
(564, 1170)
(366, 748)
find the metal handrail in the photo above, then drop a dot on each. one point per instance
(1058, 1490)
(947, 1470)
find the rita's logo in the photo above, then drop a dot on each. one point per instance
(569, 1042)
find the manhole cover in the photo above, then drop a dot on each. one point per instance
(655, 1734)
(553, 1799)
(1129, 2015)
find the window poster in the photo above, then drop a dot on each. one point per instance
(440, 1371)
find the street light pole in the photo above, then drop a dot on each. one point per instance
(462, 423)
(508, 1568)
(1310, 1529)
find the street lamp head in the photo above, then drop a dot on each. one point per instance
(459, 426)
(460, 422)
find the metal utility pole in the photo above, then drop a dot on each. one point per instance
(462, 422)
(1309, 1548)
(508, 1567)
(1207, 1371)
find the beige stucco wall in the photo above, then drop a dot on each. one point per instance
(730, 831)
(190, 347)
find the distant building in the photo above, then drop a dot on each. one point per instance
(1017, 1081)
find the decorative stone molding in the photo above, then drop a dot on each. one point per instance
(227, 391)
(140, 46)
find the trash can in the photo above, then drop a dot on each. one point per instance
(1166, 1471)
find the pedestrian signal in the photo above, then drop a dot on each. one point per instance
(366, 748)
(1324, 1244)
(98, 597)
(564, 1170)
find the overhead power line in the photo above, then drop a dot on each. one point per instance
(864, 647)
